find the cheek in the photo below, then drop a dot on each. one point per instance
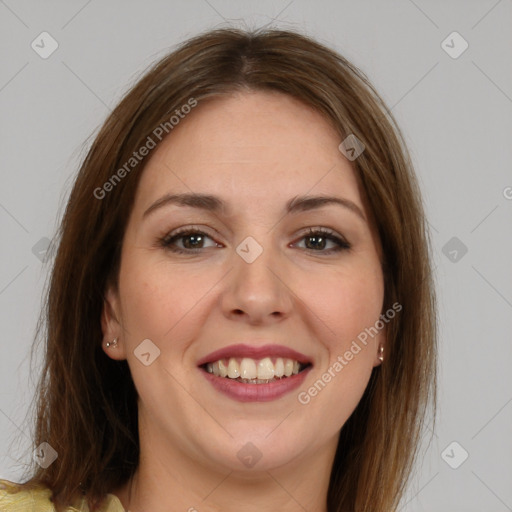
(346, 303)
(159, 297)
(347, 307)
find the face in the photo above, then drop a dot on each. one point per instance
(255, 272)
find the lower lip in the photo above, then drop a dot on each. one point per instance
(256, 392)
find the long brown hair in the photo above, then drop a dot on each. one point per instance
(86, 408)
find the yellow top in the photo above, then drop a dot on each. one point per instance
(14, 499)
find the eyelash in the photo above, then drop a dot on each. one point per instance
(167, 241)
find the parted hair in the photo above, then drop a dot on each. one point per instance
(86, 403)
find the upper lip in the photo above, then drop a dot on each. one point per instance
(254, 352)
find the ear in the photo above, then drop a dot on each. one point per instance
(111, 325)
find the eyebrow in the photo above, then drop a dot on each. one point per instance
(215, 204)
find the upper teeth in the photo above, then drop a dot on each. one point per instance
(249, 368)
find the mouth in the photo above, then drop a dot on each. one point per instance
(255, 371)
(255, 374)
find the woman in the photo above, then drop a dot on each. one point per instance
(241, 311)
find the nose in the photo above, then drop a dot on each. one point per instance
(257, 292)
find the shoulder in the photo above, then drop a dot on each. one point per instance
(15, 498)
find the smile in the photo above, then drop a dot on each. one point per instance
(250, 373)
(253, 371)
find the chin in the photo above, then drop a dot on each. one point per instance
(259, 451)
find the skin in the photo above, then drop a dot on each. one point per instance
(256, 151)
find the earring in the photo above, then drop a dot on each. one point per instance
(381, 353)
(112, 343)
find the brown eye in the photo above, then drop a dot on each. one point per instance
(192, 240)
(317, 240)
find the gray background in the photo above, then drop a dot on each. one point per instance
(456, 117)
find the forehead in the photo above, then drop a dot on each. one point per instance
(266, 145)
